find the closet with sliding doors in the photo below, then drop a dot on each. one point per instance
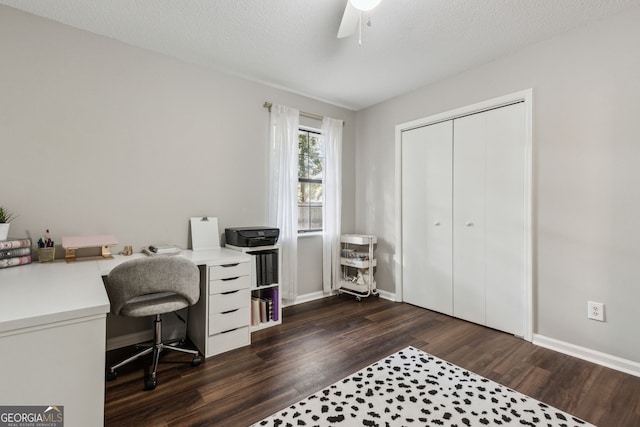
(465, 216)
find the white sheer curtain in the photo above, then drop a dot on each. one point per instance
(283, 192)
(332, 203)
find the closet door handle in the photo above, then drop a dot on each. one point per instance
(469, 224)
(437, 223)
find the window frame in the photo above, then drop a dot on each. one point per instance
(318, 132)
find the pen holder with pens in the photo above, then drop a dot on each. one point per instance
(47, 254)
(46, 249)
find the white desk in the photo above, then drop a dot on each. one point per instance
(52, 333)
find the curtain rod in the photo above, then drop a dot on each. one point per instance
(268, 106)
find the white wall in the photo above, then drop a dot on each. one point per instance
(98, 137)
(586, 203)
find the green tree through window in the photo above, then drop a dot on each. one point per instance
(310, 184)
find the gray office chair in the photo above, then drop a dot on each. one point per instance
(150, 287)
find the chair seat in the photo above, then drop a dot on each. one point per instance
(152, 304)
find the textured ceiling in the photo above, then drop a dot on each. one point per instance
(292, 44)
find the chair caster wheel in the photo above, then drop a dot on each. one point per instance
(150, 384)
(196, 361)
(112, 375)
(358, 299)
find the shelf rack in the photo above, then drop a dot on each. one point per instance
(257, 290)
(358, 265)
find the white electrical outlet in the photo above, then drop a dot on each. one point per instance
(595, 311)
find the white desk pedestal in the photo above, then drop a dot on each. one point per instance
(61, 364)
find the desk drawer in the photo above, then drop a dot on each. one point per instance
(227, 285)
(232, 270)
(225, 341)
(220, 322)
(220, 303)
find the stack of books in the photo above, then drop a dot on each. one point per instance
(15, 252)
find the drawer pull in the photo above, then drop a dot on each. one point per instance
(230, 330)
(230, 292)
(229, 265)
(229, 278)
(230, 311)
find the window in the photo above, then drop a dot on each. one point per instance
(310, 180)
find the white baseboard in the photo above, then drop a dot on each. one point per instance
(387, 295)
(129, 339)
(320, 294)
(309, 297)
(613, 362)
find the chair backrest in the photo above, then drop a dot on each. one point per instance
(158, 274)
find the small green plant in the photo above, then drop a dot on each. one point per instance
(5, 215)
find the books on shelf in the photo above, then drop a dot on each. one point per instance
(255, 311)
(264, 306)
(15, 252)
(264, 312)
(275, 298)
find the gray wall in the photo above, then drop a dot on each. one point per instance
(86, 123)
(101, 137)
(586, 204)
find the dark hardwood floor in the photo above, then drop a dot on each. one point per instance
(322, 341)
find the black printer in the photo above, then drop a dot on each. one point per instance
(249, 237)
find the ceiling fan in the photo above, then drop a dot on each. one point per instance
(352, 17)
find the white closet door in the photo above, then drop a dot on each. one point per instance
(505, 218)
(469, 218)
(489, 218)
(426, 217)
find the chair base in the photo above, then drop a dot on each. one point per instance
(156, 348)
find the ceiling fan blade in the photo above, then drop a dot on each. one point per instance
(349, 21)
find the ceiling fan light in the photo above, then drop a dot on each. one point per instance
(364, 5)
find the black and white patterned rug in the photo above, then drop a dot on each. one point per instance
(414, 388)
